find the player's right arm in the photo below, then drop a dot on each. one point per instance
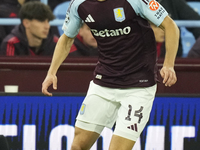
(71, 28)
(61, 51)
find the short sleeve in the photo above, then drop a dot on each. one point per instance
(150, 10)
(72, 21)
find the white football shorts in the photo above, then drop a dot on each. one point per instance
(129, 108)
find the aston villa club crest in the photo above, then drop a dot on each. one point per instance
(119, 14)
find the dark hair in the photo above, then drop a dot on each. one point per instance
(36, 10)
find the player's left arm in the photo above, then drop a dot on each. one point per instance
(171, 45)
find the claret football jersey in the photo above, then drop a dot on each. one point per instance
(126, 42)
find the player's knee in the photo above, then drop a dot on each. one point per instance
(75, 147)
(78, 147)
(78, 144)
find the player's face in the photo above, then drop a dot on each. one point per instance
(87, 36)
(159, 34)
(39, 29)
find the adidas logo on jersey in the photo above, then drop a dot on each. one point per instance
(89, 19)
(133, 127)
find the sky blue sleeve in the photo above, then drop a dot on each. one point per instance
(72, 21)
(150, 10)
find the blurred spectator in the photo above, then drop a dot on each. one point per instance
(3, 143)
(32, 36)
(180, 10)
(84, 43)
(160, 38)
(195, 50)
(10, 9)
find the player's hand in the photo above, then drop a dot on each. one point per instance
(50, 79)
(169, 76)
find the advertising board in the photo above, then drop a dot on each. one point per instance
(47, 123)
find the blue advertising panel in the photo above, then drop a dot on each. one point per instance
(47, 123)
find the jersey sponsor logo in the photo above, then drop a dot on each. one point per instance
(111, 33)
(119, 14)
(89, 19)
(153, 5)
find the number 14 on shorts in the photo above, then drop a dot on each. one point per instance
(138, 113)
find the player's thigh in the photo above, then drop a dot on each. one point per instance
(134, 112)
(99, 107)
(83, 139)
